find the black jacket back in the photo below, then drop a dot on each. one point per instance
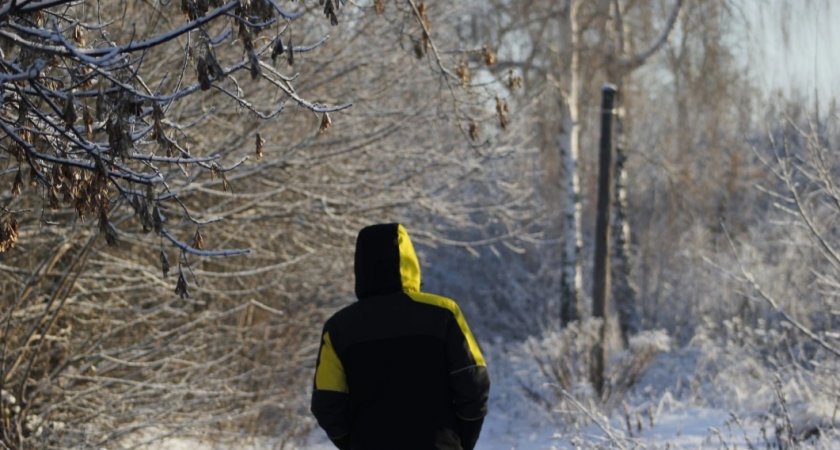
(399, 369)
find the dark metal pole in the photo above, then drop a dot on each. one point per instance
(600, 278)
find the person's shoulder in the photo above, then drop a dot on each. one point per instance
(341, 315)
(435, 300)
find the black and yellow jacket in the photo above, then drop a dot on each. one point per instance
(399, 369)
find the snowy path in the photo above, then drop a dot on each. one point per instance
(694, 428)
(515, 423)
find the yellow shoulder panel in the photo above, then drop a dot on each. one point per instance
(409, 266)
(445, 303)
(329, 375)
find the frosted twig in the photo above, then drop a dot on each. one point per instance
(773, 303)
(604, 427)
(192, 250)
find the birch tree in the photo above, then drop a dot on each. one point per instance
(622, 59)
(572, 269)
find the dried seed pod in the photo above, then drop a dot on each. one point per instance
(181, 287)
(255, 64)
(54, 201)
(188, 7)
(158, 219)
(514, 81)
(214, 69)
(106, 227)
(111, 235)
(87, 117)
(502, 112)
(8, 233)
(489, 55)
(158, 132)
(33, 174)
(473, 130)
(278, 49)
(79, 35)
(290, 50)
(118, 140)
(259, 146)
(246, 36)
(201, 7)
(145, 217)
(326, 123)
(463, 73)
(329, 11)
(17, 184)
(203, 75)
(101, 105)
(69, 111)
(26, 136)
(89, 79)
(164, 263)
(419, 49)
(198, 240)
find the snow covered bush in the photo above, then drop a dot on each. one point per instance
(769, 351)
(563, 358)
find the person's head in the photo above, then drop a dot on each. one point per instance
(385, 261)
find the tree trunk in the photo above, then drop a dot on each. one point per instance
(623, 292)
(572, 276)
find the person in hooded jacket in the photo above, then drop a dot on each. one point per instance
(399, 369)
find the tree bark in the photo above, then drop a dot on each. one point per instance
(572, 276)
(623, 292)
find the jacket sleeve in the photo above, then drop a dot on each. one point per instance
(330, 395)
(468, 379)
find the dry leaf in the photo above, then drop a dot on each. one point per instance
(17, 184)
(87, 117)
(8, 233)
(463, 73)
(181, 286)
(326, 123)
(259, 144)
(79, 35)
(502, 112)
(514, 81)
(278, 49)
(69, 112)
(489, 55)
(473, 130)
(164, 263)
(198, 240)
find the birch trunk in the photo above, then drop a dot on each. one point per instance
(618, 69)
(623, 291)
(572, 273)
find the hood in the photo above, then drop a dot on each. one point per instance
(385, 261)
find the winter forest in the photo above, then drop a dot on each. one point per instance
(182, 182)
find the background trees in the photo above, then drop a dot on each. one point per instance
(175, 165)
(176, 131)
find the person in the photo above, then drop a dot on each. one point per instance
(399, 369)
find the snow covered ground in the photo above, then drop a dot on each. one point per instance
(671, 407)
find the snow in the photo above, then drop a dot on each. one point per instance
(695, 397)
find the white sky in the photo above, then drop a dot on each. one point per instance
(801, 58)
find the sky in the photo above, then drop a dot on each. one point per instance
(795, 45)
